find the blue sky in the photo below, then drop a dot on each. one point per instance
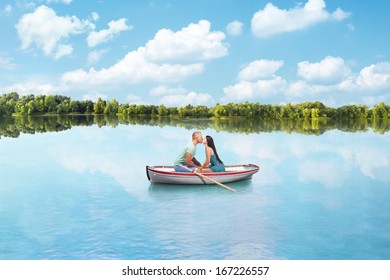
(200, 52)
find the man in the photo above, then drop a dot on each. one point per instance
(187, 155)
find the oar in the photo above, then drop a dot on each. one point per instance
(208, 178)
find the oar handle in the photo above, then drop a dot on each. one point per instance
(208, 178)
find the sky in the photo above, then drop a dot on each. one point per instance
(203, 52)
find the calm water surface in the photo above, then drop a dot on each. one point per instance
(83, 194)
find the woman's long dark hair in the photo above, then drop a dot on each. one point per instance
(210, 143)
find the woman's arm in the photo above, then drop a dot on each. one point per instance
(207, 160)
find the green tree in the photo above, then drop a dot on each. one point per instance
(162, 110)
(32, 107)
(8, 102)
(50, 103)
(74, 106)
(99, 106)
(111, 107)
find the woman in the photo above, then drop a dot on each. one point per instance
(212, 162)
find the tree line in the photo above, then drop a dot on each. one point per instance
(12, 103)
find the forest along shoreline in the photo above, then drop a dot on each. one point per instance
(11, 104)
(48, 113)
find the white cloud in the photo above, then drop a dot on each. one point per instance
(260, 69)
(63, 50)
(30, 88)
(256, 80)
(234, 28)
(272, 20)
(192, 43)
(6, 11)
(374, 77)
(302, 89)
(159, 60)
(192, 98)
(95, 56)
(114, 28)
(131, 98)
(6, 63)
(329, 70)
(263, 89)
(44, 29)
(95, 16)
(179, 96)
(133, 68)
(166, 90)
(94, 97)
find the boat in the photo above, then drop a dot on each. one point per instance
(167, 175)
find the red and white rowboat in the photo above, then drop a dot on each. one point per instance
(167, 175)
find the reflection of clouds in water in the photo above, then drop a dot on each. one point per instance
(269, 176)
(328, 173)
(121, 166)
(92, 134)
(374, 164)
(171, 139)
(202, 215)
(309, 155)
(122, 161)
(122, 153)
(251, 146)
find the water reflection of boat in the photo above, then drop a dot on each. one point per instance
(167, 175)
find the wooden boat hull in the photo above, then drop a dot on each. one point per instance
(167, 175)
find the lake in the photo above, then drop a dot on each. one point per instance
(76, 188)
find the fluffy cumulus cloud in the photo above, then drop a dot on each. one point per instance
(260, 89)
(329, 80)
(256, 80)
(169, 57)
(196, 42)
(192, 98)
(329, 70)
(47, 31)
(333, 82)
(114, 28)
(30, 88)
(179, 96)
(272, 20)
(234, 28)
(133, 68)
(259, 69)
(375, 77)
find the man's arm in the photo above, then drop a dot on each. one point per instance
(190, 160)
(196, 162)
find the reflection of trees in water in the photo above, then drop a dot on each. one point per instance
(13, 126)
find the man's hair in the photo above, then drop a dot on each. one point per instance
(195, 134)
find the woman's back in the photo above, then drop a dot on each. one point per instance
(215, 165)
